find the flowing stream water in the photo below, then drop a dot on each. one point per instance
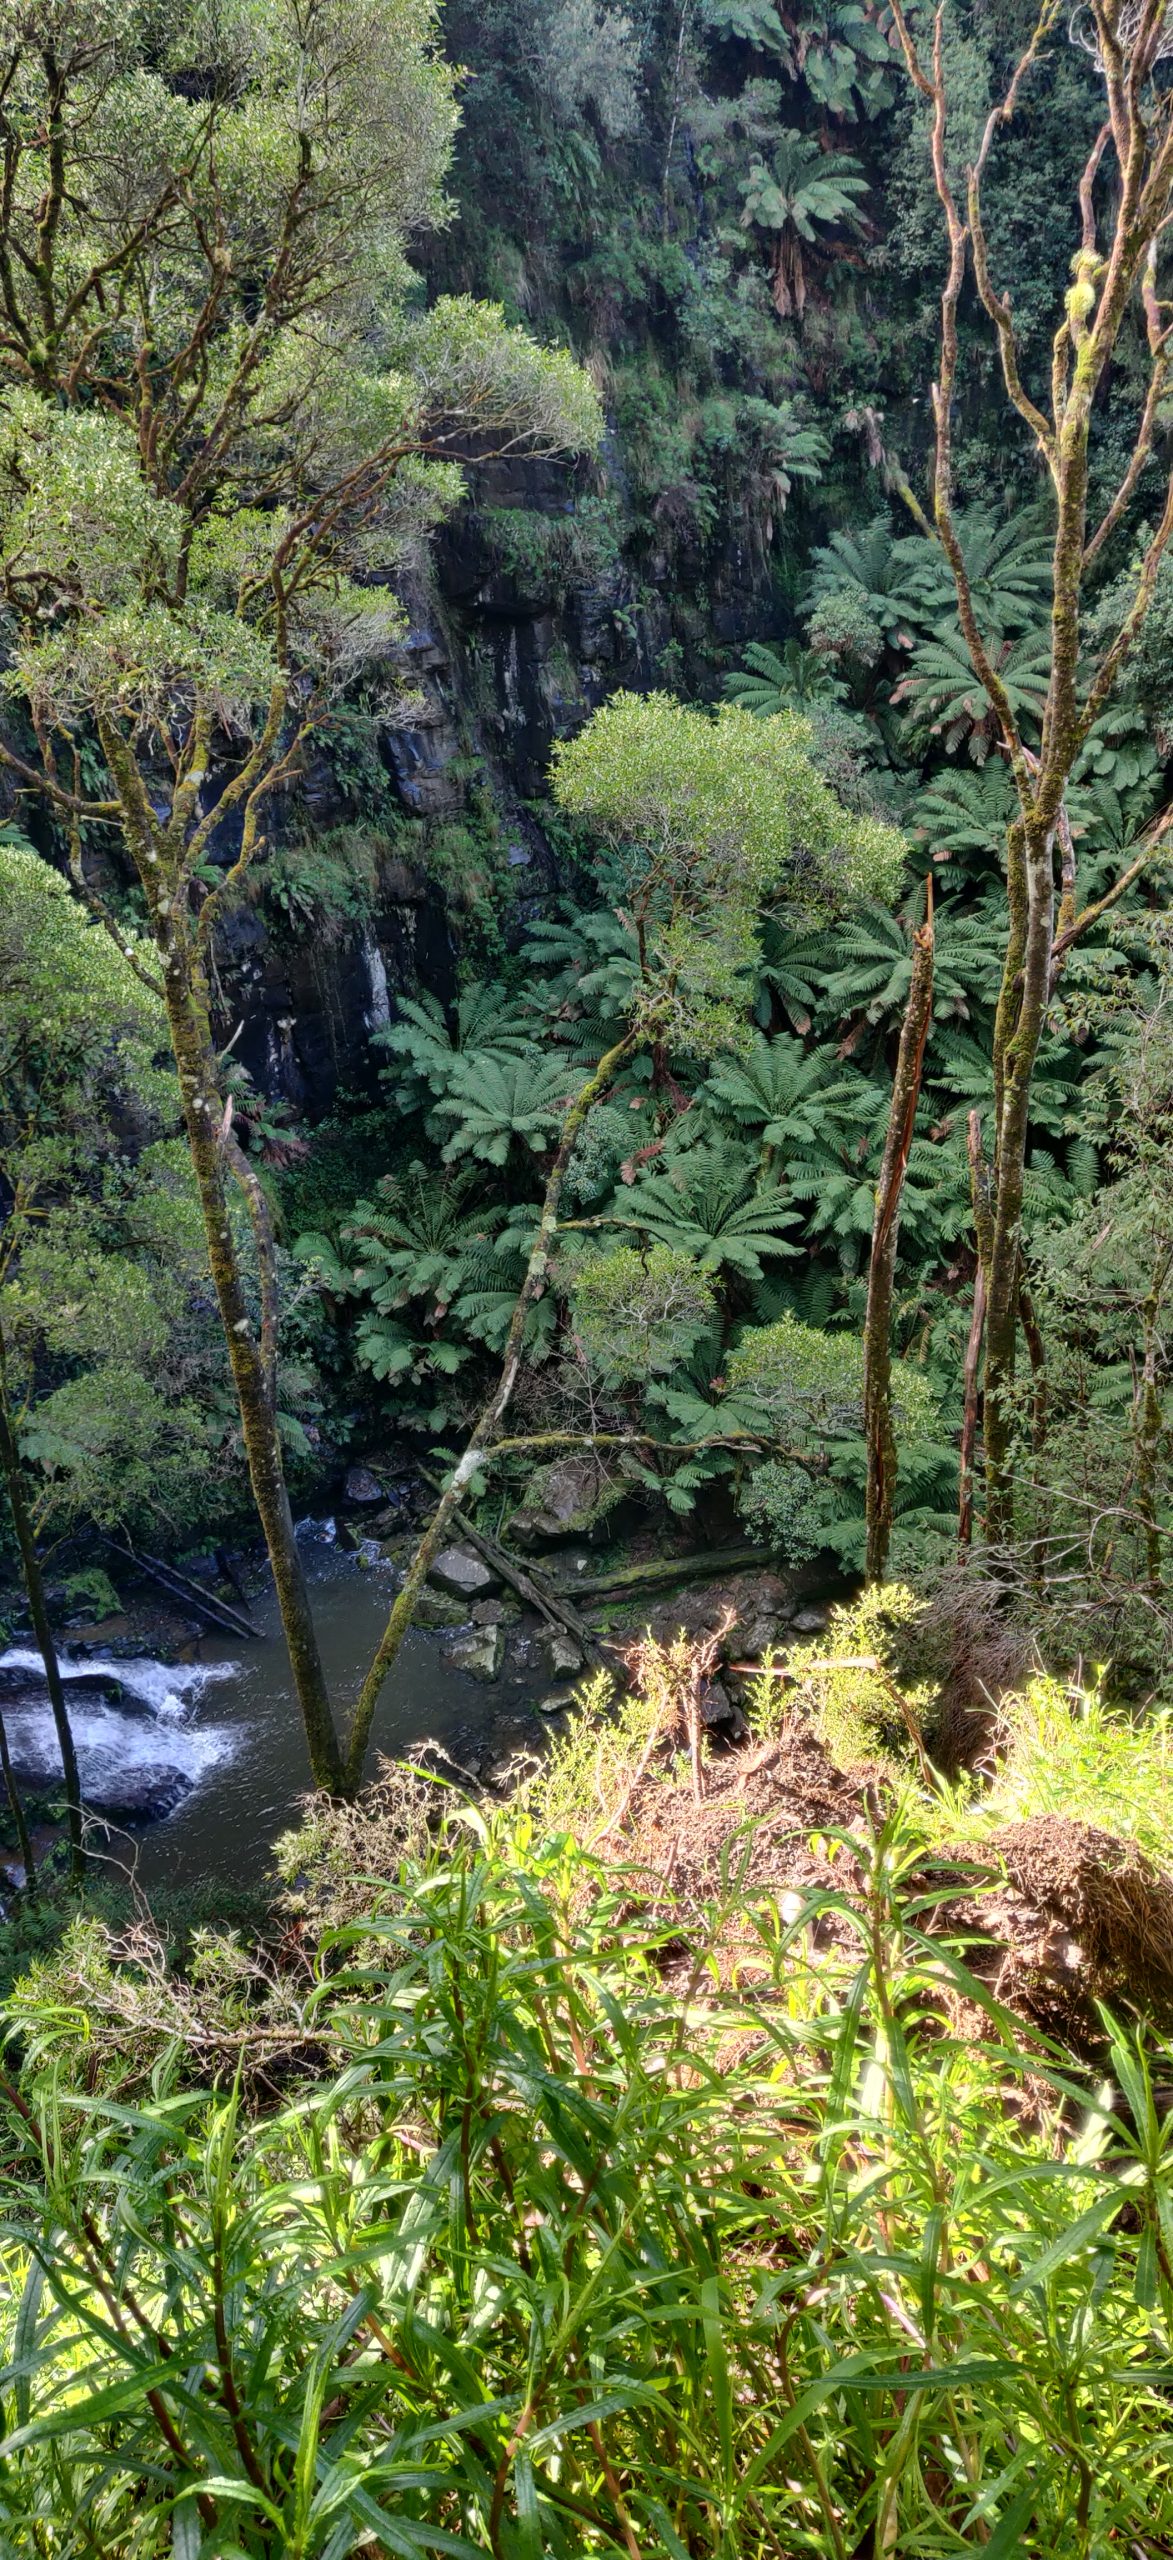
(221, 1732)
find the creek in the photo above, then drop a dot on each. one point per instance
(219, 1734)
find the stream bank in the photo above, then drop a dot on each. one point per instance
(189, 1739)
(199, 1761)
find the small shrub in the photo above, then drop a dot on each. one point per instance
(847, 1683)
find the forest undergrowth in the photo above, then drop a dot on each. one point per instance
(699, 2153)
(694, 2154)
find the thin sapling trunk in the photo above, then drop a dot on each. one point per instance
(30, 1565)
(973, 1354)
(879, 1431)
(1149, 1424)
(487, 1427)
(1124, 200)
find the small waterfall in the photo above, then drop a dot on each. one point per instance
(139, 1754)
(514, 711)
(378, 1013)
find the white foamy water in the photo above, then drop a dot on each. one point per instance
(167, 1688)
(111, 1744)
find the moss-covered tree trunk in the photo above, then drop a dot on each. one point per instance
(1023, 1012)
(487, 1427)
(158, 854)
(879, 1433)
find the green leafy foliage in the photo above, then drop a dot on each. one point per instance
(700, 1206)
(787, 679)
(112, 1374)
(497, 1104)
(796, 195)
(640, 1314)
(486, 2195)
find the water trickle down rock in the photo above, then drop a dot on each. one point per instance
(378, 1013)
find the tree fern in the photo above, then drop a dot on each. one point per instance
(425, 1043)
(420, 1240)
(882, 574)
(947, 699)
(704, 1208)
(963, 813)
(589, 961)
(786, 679)
(819, 1111)
(500, 1103)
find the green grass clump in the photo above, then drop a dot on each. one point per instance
(1061, 1749)
(556, 2257)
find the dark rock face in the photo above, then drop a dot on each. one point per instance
(508, 648)
(134, 1794)
(479, 1654)
(309, 1001)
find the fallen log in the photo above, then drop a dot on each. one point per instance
(179, 1586)
(530, 1587)
(667, 1571)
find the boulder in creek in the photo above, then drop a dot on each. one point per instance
(361, 1486)
(138, 1793)
(439, 1609)
(460, 1570)
(561, 1653)
(83, 1688)
(479, 1654)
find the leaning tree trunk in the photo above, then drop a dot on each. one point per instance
(215, 1160)
(1022, 1013)
(1149, 1423)
(33, 1579)
(877, 1339)
(252, 1372)
(488, 1423)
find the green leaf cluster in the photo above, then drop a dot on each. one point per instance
(524, 2258)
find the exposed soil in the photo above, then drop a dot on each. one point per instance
(1106, 1910)
(755, 1825)
(1054, 1914)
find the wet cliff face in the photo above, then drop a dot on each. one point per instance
(527, 613)
(522, 620)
